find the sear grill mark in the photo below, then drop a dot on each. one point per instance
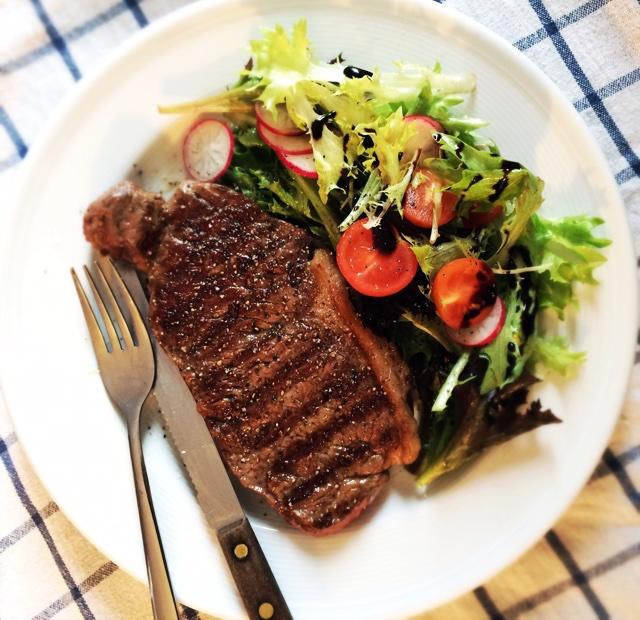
(347, 455)
(306, 405)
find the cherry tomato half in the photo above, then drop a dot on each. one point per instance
(369, 270)
(417, 204)
(479, 219)
(464, 292)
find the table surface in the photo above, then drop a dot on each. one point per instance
(588, 565)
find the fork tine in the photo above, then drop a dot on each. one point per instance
(113, 339)
(139, 327)
(115, 307)
(99, 343)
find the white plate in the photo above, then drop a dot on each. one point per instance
(408, 554)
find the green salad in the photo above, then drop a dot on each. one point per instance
(436, 232)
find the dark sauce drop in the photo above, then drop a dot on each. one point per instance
(367, 141)
(483, 298)
(337, 59)
(481, 276)
(508, 165)
(529, 297)
(529, 320)
(476, 179)
(383, 238)
(356, 72)
(318, 125)
(499, 187)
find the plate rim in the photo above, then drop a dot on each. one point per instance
(531, 72)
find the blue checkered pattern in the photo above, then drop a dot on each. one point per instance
(588, 565)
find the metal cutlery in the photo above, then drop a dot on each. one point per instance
(127, 368)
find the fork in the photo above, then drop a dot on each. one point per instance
(127, 368)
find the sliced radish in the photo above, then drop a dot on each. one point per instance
(422, 139)
(289, 145)
(300, 164)
(280, 122)
(207, 149)
(483, 333)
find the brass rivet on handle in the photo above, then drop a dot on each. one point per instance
(241, 551)
(265, 611)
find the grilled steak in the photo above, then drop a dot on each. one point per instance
(306, 405)
(126, 224)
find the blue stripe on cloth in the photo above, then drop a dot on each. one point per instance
(21, 531)
(7, 442)
(190, 614)
(13, 133)
(487, 603)
(44, 531)
(625, 175)
(89, 583)
(632, 454)
(585, 85)
(562, 22)
(624, 458)
(95, 22)
(72, 35)
(611, 88)
(26, 59)
(9, 162)
(134, 7)
(56, 40)
(528, 604)
(577, 575)
(621, 475)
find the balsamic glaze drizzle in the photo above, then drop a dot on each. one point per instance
(384, 240)
(367, 141)
(318, 125)
(356, 72)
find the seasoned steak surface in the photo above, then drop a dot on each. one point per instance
(125, 223)
(307, 407)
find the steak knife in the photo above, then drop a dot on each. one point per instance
(206, 471)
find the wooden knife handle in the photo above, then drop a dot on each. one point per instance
(251, 572)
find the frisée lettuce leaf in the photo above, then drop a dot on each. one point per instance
(554, 353)
(569, 253)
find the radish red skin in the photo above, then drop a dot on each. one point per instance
(484, 333)
(422, 140)
(302, 165)
(423, 118)
(282, 125)
(287, 145)
(187, 156)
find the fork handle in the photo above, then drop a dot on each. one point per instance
(162, 600)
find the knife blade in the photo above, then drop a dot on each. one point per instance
(191, 438)
(209, 478)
